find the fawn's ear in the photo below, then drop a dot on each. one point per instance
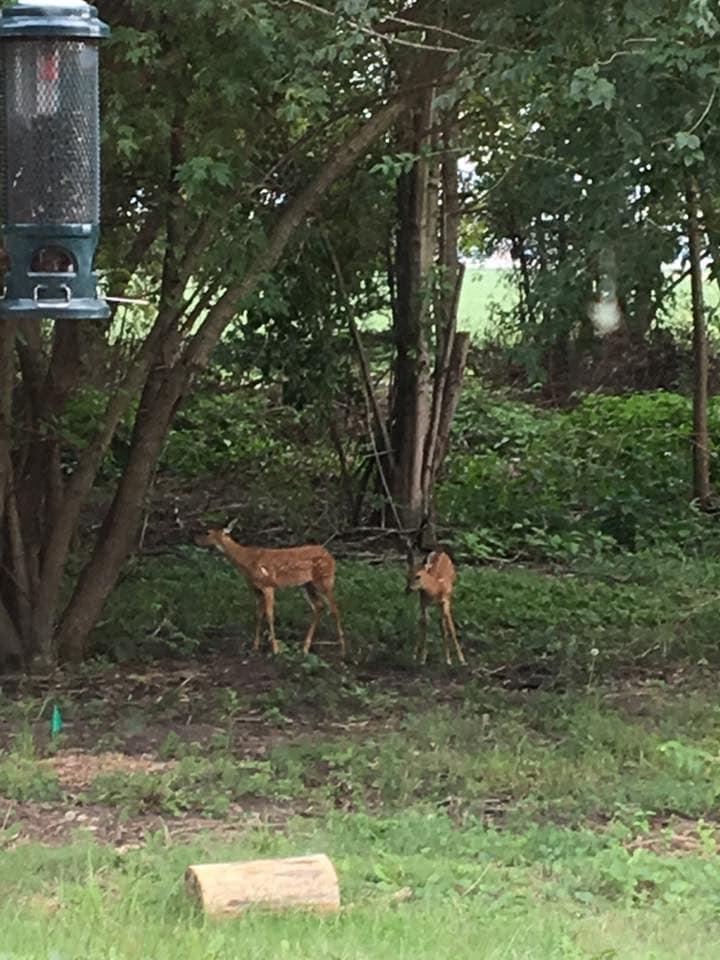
(430, 559)
(229, 527)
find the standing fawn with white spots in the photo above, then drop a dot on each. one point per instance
(434, 580)
(310, 566)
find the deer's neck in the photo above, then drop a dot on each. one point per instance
(239, 555)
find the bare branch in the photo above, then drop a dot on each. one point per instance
(705, 112)
(362, 356)
(430, 27)
(368, 30)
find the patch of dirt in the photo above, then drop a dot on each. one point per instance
(132, 709)
(678, 836)
(120, 719)
(77, 769)
(56, 824)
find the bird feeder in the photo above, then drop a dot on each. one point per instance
(50, 158)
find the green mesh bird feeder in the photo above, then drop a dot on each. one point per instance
(50, 158)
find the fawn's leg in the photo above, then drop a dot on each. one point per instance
(446, 638)
(448, 616)
(316, 603)
(326, 592)
(269, 603)
(421, 649)
(259, 614)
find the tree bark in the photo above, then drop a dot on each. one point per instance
(519, 255)
(451, 398)
(453, 274)
(415, 247)
(10, 640)
(701, 433)
(422, 404)
(8, 329)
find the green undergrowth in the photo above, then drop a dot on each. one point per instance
(605, 755)
(610, 475)
(415, 886)
(575, 622)
(613, 473)
(567, 761)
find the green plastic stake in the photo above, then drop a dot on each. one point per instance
(56, 722)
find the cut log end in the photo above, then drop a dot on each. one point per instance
(226, 889)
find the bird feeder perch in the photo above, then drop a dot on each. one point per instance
(50, 158)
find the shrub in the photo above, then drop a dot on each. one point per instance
(613, 473)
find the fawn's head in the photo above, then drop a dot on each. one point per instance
(419, 576)
(214, 537)
(415, 580)
(437, 572)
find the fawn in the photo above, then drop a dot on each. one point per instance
(309, 566)
(434, 581)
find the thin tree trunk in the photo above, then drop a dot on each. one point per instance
(519, 255)
(366, 377)
(345, 477)
(18, 568)
(701, 433)
(453, 273)
(451, 398)
(10, 641)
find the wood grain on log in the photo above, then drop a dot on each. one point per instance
(308, 883)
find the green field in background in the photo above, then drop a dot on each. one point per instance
(485, 291)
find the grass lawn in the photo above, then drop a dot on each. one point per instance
(466, 816)
(473, 894)
(557, 800)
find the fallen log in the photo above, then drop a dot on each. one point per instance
(224, 889)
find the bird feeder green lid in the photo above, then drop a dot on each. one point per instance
(50, 158)
(52, 18)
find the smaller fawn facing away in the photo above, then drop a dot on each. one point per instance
(310, 566)
(434, 581)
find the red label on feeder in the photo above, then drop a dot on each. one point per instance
(49, 67)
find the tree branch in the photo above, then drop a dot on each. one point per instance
(380, 424)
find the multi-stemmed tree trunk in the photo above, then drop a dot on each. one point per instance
(41, 507)
(414, 260)
(430, 354)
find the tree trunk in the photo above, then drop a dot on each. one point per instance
(451, 398)
(453, 274)
(10, 641)
(414, 254)
(518, 252)
(701, 433)
(422, 403)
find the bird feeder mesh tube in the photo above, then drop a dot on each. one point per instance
(50, 137)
